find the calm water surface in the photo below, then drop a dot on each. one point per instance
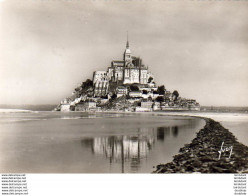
(54, 142)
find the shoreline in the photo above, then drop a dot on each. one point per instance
(202, 154)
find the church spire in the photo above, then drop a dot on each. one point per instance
(127, 52)
(127, 46)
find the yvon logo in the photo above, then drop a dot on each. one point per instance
(225, 149)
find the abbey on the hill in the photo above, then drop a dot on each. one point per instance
(126, 85)
(130, 70)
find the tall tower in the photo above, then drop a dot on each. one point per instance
(127, 54)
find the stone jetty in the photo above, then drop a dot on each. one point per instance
(202, 155)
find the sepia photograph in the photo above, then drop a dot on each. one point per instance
(124, 86)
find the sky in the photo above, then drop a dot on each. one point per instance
(198, 47)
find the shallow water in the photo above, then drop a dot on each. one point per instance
(54, 142)
(237, 123)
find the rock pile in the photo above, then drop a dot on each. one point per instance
(202, 154)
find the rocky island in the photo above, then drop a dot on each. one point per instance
(127, 85)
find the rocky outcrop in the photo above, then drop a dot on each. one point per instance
(202, 154)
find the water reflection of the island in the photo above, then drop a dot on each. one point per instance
(130, 150)
(51, 142)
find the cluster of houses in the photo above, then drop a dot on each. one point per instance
(126, 85)
(124, 99)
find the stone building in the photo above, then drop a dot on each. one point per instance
(133, 69)
(100, 83)
(135, 94)
(65, 105)
(115, 72)
(85, 106)
(128, 71)
(121, 90)
(147, 104)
